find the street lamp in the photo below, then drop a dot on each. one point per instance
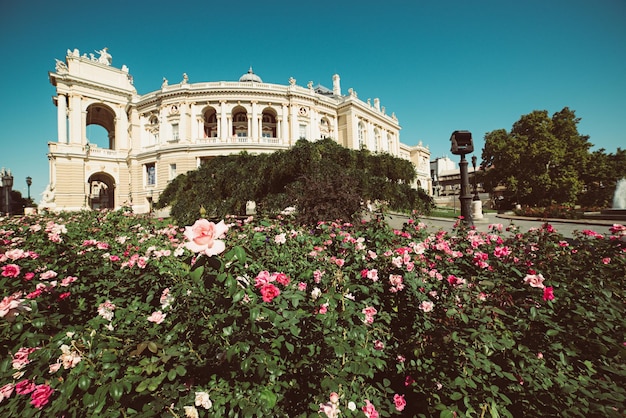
(462, 144)
(475, 189)
(7, 184)
(29, 182)
(477, 204)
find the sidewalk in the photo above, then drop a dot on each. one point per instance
(567, 227)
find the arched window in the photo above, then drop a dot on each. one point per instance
(240, 123)
(377, 139)
(210, 123)
(390, 146)
(268, 124)
(324, 128)
(361, 134)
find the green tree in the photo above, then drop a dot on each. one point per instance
(540, 161)
(600, 177)
(324, 180)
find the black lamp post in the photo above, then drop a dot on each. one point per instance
(475, 188)
(7, 184)
(461, 145)
(29, 182)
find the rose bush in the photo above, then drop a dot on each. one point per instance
(111, 314)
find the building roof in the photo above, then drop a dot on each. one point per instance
(250, 76)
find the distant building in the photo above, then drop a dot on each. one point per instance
(156, 136)
(446, 177)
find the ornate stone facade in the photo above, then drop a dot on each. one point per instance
(156, 136)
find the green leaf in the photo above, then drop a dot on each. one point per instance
(142, 385)
(456, 396)
(240, 253)
(196, 274)
(446, 414)
(268, 397)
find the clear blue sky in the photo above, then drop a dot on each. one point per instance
(439, 65)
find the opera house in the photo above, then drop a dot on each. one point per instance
(155, 136)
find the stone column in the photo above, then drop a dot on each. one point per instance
(285, 126)
(315, 125)
(249, 130)
(75, 120)
(83, 126)
(62, 118)
(254, 134)
(182, 127)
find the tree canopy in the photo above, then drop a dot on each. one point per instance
(322, 179)
(544, 160)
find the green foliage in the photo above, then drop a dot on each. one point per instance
(540, 162)
(601, 176)
(321, 179)
(463, 323)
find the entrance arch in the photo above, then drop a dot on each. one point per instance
(101, 191)
(103, 116)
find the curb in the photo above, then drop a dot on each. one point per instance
(603, 222)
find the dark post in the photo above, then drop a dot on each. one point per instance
(475, 188)
(29, 182)
(7, 184)
(461, 145)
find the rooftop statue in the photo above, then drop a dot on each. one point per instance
(105, 58)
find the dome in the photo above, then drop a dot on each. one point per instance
(250, 76)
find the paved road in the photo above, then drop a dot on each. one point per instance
(563, 226)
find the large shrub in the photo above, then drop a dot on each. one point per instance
(323, 171)
(110, 315)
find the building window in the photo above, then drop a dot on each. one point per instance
(377, 139)
(150, 173)
(175, 132)
(172, 171)
(302, 132)
(361, 133)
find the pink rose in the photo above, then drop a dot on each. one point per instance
(11, 270)
(281, 278)
(157, 317)
(399, 401)
(427, 306)
(204, 237)
(24, 387)
(264, 277)
(68, 280)
(269, 292)
(548, 293)
(280, 238)
(369, 410)
(41, 396)
(6, 391)
(11, 306)
(54, 367)
(50, 274)
(20, 358)
(534, 280)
